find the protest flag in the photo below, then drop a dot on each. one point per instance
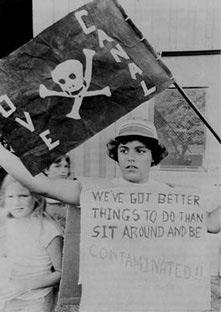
(73, 80)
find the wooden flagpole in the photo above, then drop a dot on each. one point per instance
(196, 111)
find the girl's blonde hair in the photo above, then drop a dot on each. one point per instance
(40, 202)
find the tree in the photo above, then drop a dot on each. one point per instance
(182, 130)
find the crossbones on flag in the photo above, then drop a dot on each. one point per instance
(73, 80)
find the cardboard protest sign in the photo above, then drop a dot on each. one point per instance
(73, 80)
(143, 250)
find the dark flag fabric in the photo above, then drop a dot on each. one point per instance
(73, 80)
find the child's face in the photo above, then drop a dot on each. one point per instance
(19, 202)
(134, 160)
(60, 170)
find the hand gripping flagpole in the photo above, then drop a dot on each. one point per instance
(196, 111)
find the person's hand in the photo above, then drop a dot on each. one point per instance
(12, 290)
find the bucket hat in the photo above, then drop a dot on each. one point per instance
(138, 129)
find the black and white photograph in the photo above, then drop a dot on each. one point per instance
(110, 159)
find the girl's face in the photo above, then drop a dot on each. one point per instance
(60, 170)
(134, 160)
(19, 202)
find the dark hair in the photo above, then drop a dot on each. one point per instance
(58, 160)
(159, 152)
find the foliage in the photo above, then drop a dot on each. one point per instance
(179, 127)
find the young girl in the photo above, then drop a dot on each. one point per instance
(33, 248)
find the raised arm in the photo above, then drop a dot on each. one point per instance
(61, 189)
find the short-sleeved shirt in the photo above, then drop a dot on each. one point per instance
(26, 246)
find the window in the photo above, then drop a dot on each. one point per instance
(179, 128)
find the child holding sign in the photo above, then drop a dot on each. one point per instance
(136, 149)
(33, 250)
(135, 156)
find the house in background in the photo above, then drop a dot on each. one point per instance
(187, 35)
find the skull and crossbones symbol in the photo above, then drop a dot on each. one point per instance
(73, 82)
